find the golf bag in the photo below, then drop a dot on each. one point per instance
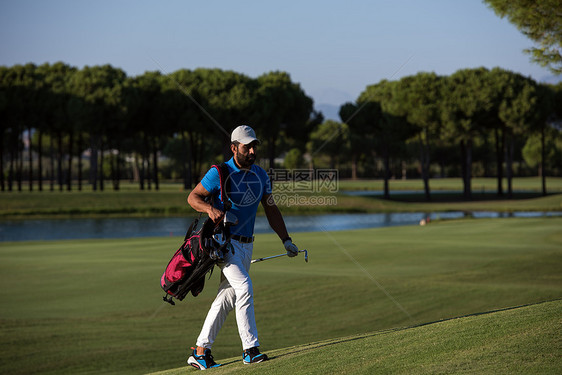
(199, 252)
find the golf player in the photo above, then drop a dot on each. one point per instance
(249, 185)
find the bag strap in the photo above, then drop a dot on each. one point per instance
(224, 173)
(192, 227)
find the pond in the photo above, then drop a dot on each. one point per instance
(66, 229)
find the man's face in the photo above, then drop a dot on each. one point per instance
(245, 155)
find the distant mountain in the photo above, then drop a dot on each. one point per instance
(330, 111)
(328, 101)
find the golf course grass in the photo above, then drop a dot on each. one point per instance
(361, 304)
(521, 340)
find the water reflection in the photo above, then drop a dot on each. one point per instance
(57, 229)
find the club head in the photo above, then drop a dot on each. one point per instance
(305, 256)
(230, 219)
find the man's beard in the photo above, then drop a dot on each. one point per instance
(245, 161)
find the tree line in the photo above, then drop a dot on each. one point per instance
(56, 112)
(450, 116)
(52, 114)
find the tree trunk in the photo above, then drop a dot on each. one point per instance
(30, 156)
(118, 171)
(40, 160)
(424, 160)
(155, 164)
(509, 166)
(52, 163)
(94, 163)
(59, 161)
(271, 145)
(114, 165)
(146, 162)
(468, 186)
(499, 159)
(11, 168)
(19, 164)
(148, 170)
(112, 169)
(2, 182)
(101, 167)
(195, 158)
(69, 166)
(140, 170)
(386, 173)
(485, 158)
(466, 163)
(186, 163)
(80, 141)
(354, 166)
(543, 162)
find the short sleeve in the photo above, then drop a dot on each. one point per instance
(211, 181)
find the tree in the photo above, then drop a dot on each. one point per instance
(226, 99)
(538, 101)
(379, 107)
(359, 120)
(539, 156)
(466, 108)
(330, 138)
(4, 105)
(541, 21)
(185, 119)
(145, 116)
(500, 84)
(294, 159)
(100, 89)
(280, 107)
(20, 98)
(523, 108)
(58, 119)
(418, 98)
(195, 114)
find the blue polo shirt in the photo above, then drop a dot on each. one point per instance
(247, 188)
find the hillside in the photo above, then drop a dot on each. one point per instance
(524, 339)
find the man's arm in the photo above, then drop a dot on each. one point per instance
(274, 216)
(277, 223)
(196, 199)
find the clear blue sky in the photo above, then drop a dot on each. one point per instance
(334, 49)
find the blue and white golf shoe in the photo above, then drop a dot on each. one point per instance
(202, 362)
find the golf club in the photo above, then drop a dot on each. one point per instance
(281, 255)
(230, 219)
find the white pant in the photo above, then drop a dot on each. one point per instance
(235, 291)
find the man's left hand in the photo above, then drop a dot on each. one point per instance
(292, 249)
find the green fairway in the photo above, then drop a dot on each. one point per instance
(522, 340)
(95, 306)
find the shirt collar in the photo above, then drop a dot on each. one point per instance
(233, 165)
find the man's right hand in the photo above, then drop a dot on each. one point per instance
(292, 249)
(215, 214)
(196, 200)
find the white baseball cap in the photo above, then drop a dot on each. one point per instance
(244, 134)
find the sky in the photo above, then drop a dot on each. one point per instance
(333, 49)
